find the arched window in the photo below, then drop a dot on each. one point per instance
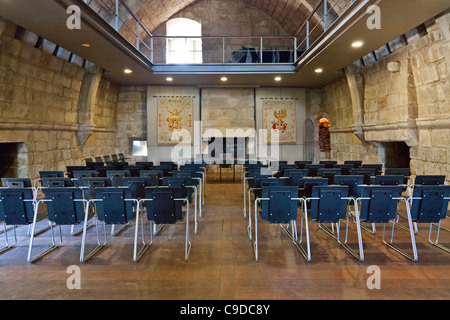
(184, 50)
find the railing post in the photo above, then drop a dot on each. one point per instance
(151, 49)
(223, 50)
(261, 51)
(307, 34)
(117, 15)
(137, 34)
(295, 49)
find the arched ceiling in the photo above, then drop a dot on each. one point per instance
(290, 14)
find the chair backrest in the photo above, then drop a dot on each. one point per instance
(345, 168)
(306, 185)
(327, 203)
(138, 185)
(71, 169)
(329, 174)
(17, 183)
(397, 172)
(117, 176)
(430, 203)
(302, 164)
(51, 174)
(121, 157)
(163, 209)
(312, 169)
(294, 175)
(429, 180)
(98, 159)
(280, 208)
(388, 180)
(114, 158)
(146, 165)
(328, 163)
(377, 166)
(115, 206)
(56, 182)
(261, 182)
(64, 206)
(151, 173)
(354, 184)
(378, 204)
(368, 173)
(91, 183)
(16, 206)
(354, 163)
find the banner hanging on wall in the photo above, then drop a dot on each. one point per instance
(279, 116)
(175, 121)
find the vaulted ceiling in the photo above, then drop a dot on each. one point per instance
(290, 14)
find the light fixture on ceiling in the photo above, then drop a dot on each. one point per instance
(224, 79)
(86, 45)
(128, 71)
(169, 79)
(357, 44)
(278, 79)
(318, 70)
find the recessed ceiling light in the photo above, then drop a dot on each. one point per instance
(224, 79)
(318, 70)
(169, 79)
(128, 71)
(277, 78)
(357, 44)
(86, 45)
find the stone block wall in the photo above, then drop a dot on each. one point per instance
(406, 98)
(39, 96)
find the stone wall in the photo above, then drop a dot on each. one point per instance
(406, 97)
(39, 96)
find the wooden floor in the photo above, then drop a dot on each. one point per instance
(222, 266)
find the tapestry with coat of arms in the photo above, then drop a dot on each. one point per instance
(279, 115)
(174, 115)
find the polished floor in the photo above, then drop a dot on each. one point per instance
(222, 264)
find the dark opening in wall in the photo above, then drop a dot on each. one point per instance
(9, 162)
(396, 155)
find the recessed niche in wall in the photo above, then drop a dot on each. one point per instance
(13, 160)
(394, 154)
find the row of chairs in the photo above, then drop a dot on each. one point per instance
(347, 197)
(114, 158)
(115, 200)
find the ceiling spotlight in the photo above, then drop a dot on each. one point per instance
(128, 71)
(357, 44)
(86, 45)
(224, 79)
(277, 78)
(318, 70)
(169, 79)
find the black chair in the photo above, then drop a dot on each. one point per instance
(312, 169)
(329, 205)
(114, 158)
(354, 184)
(345, 168)
(305, 185)
(51, 174)
(378, 204)
(368, 173)
(377, 166)
(71, 169)
(429, 180)
(66, 206)
(252, 173)
(329, 164)
(429, 204)
(116, 176)
(329, 174)
(279, 205)
(257, 185)
(114, 206)
(389, 180)
(162, 206)
(198, 171)
(145, 165)
(302, 164)
(56, 182)
(17, 183)
(354, 163)
(17, 208)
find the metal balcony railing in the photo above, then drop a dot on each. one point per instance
(219, 50)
